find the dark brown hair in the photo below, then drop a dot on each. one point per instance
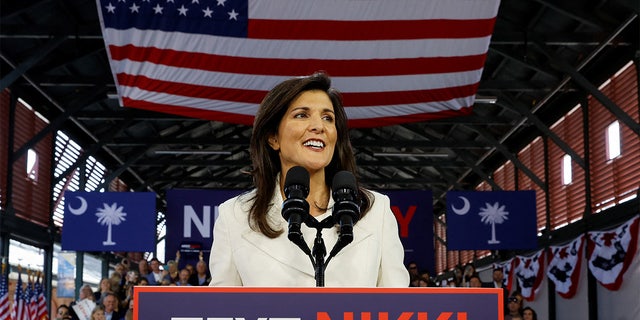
(265, 160)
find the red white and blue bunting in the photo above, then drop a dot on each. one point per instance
(564, 267)
(610, 253)
(507, 271)
(529, 272)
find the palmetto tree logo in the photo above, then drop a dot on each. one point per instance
(110, 215)
(493, 214)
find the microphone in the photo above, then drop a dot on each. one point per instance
(346, 211)
(295, 209)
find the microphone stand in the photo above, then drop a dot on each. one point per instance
(319, 249)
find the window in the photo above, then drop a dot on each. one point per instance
(567, 174)
(32, 165)
(613, 140)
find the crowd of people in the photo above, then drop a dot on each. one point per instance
(467, 276)
(113, 299)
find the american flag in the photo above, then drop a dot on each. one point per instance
(20, 302)
(42, 313)
(394, 61)
(32, 299)
(5, 305)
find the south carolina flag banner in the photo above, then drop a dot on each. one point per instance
(564, 267)
(394, 61)
(109, 221)
(479, 220)
(610, 253)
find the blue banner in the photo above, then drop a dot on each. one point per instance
(220, 303)
(491, 220)
(413, 210)
(109, 221)
(191, 214)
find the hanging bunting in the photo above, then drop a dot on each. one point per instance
(529, 271)
(610, 253)
(507, 271)
(564, 267)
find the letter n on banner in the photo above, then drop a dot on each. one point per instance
(190, 218)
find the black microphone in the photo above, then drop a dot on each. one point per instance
(346, 211)
(295, 209)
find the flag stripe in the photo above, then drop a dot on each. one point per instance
(263, 82)
(369, 30)
(351, 99)
(298, 49)
(287, 67)
(247, 119)
(372, 10)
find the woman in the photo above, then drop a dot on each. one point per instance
(302, 122)
(529, 314)
(98, 313)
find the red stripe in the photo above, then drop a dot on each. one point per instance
(189, 112)
(287, 67)
(191, 90)
(248, 120)
(369, 30)
(351, 99)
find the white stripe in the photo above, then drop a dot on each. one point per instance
(189, 102)
(298, 49)
(353, 113)
(372, 10)
(266, 83)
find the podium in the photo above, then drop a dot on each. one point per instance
(246, 303)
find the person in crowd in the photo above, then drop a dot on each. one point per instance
(121, 270)
(98, 313)
(111, 307)
(424, 274)
(183, 278)
(143, 268)
(529, 314)
(105, 287)
(414, 276)
(201, 277)
(143, 282)
(302, 122)
(458, 276)
(514, 307)
(63, 312)
(156, 276)
(173, 271)
(128, 297)
(474, 281)
(498, 282)
(85, 293)
(469, 271)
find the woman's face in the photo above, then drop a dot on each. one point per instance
(307, 133)
(527, 315)
(99, 315)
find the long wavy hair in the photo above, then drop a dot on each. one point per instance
(266, 161)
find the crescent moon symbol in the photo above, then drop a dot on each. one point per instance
(82, 209)
(462, 211)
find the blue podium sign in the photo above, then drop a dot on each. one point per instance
(244, 303)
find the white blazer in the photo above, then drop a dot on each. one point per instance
(241, 256)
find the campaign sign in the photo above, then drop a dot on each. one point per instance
(413, 210)
(191, 214)
(109, 221)
(203, 303)
(491, 220)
